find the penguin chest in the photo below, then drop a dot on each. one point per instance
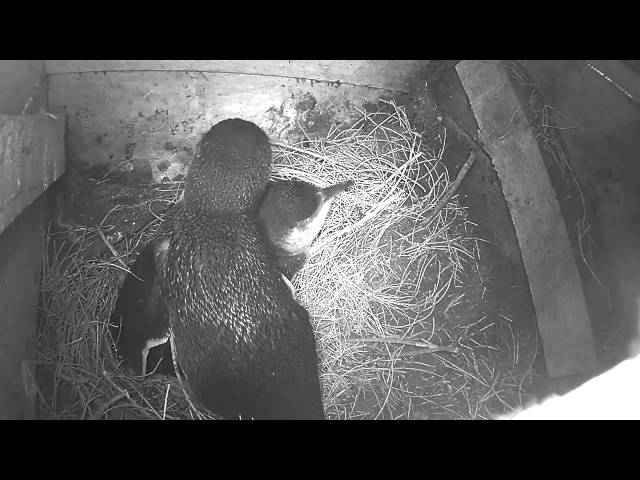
(299, 238)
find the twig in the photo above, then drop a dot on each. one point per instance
(166, 398)
(434, 349)
(300, 150)
(474, 142)
(420, 343)
(174, 356)
(108, 405)
(112, 250)
(453, 187)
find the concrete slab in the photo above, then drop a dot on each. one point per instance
(562, 316)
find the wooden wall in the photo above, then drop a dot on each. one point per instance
(22, 90)
(145, 116)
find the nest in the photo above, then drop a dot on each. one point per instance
(386, 265)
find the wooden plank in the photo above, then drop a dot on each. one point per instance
(397, 75)
(150, 121)
(32, 157)
(556, 289)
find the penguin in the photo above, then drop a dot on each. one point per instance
(139, 322)
(292, 213)
(245, 346)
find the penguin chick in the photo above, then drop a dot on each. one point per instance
(292, 213)
(140, 321)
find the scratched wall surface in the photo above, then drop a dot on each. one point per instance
(147, 122)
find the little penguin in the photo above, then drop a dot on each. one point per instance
(245, 346)
(140, 321)
(292, 213)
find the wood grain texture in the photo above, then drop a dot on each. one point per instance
(397, 75)
(150, 121)
(556, 289)
(32, 158)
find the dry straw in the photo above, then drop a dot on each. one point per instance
(379, 270)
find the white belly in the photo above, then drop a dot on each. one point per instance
(300, 237)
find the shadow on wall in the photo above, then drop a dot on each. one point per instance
(23, 90)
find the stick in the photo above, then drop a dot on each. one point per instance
(175, 367)
(166, 397)
(434, 349)
(112, 250)
(300, 150)
(453, 187)
(108, 405)
(421, 344)
(463, 133)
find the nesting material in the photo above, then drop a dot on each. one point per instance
(79, 375)
(380, 271)
(381, 264)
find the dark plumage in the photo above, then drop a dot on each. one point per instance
(245, 345)
(235, 180)
(140, 320)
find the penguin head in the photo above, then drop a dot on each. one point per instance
(287, 202)
(292, 213)
(230, 168)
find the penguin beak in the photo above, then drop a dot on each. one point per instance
(331, 192)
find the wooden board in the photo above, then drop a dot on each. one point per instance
(562, 316)
(32, 157)
(397, 75)
(150, 121)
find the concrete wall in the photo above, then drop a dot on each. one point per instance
(601, 127)
(21, 246)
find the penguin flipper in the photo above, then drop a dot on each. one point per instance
(289, 265)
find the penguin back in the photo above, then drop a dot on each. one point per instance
(246, 346)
